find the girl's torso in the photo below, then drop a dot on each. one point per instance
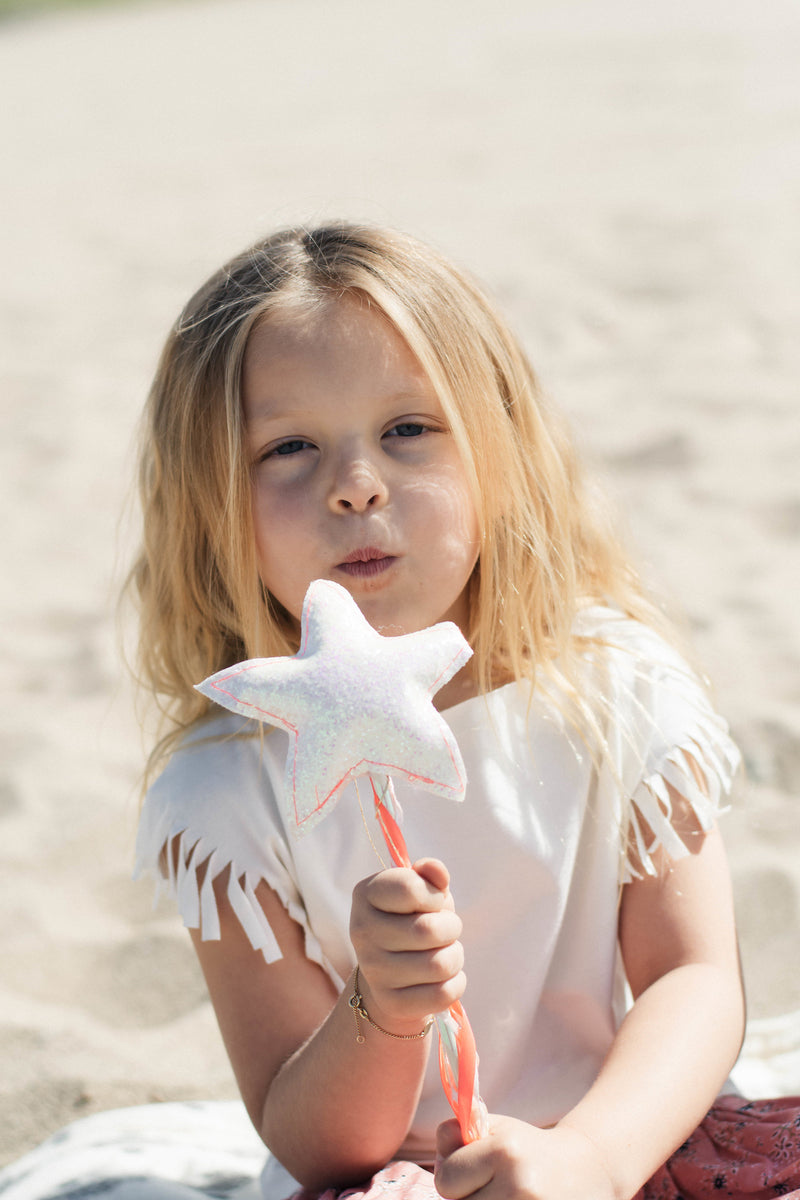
(535, 854)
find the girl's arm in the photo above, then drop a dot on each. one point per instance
(333, 1110)
(671, 1055)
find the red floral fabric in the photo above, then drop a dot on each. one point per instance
(747, 1149)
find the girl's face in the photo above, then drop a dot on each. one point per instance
(355, 473)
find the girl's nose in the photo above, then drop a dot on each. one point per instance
(358, 486)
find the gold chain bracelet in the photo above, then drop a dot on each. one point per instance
(360, 1013)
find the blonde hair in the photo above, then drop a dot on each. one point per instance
(546, 546)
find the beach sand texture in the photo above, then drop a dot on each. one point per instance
(626, 179)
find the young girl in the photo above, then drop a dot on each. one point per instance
(342, 404)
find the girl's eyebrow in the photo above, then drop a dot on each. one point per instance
(266, 409)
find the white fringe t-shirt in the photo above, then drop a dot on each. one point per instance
(536, 852)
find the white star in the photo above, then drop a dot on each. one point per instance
(353, 702)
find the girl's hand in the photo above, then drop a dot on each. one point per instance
(405, 931)
(517, 1161)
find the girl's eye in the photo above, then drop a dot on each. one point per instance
(406, 429)
(292, 446)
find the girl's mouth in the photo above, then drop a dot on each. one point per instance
(364, 563)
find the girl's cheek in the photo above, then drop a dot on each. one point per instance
(269, 498)
(288, 483)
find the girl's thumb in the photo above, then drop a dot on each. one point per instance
(433, 872)
(448, 1139)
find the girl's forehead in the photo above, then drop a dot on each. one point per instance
(344, 347)
(325, 316)
(334, 327)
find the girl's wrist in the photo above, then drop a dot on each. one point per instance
(361, 1015)
(614, 1190)
(371, 1020)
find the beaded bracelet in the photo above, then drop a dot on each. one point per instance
(360, 1013)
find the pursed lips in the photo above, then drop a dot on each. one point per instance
(366, 561)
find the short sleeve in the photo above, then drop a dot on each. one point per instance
(216, 803)
(662, 733)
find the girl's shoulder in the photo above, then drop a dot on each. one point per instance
(634, 665)
(660, 735)
(223, 764)
(606, 625)
(215, 809)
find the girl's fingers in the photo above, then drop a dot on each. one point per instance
(402, 890)
(414, 969)
(395, 933)
(460, 1170)
(405, 934)
(390, 1005)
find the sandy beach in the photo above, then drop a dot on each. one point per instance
(624, 178)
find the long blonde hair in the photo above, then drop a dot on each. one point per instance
(546, 545)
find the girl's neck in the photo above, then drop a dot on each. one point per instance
(461, 687)
(464, 686)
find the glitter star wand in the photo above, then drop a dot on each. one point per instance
(356, 703)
